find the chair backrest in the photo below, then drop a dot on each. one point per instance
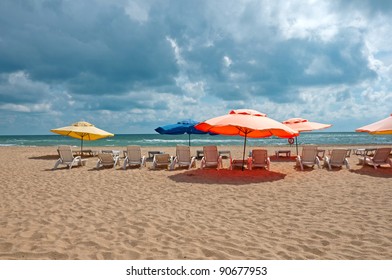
(381, 155)
(162, 158)
(183, 153)
(106, 158)
(134, 153)
(259, 156)
(309, 153)
(338, 155)
(65, 153)
(211, 153)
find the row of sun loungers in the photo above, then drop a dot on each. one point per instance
(212, 158)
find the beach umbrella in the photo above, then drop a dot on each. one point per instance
(181, 127)
(246, 123)
(380, 127)
(82, 130)
(302, 125)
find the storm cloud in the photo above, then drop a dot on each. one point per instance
(130, 66)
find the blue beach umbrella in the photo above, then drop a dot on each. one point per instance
(181, 127)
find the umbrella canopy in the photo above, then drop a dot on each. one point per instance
(302, 125)
(181, 127)
(381, 127)
(246, 123)
(82, 130)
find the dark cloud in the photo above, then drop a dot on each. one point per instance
(89, 50)
(274, 73)
(117, 56)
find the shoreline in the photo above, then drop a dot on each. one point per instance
(283, 213)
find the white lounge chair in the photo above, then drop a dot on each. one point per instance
(134, 157)
(161, 160)
(259, 158)
(381, 156)
(308, 157)
(67, 158)
(338, 158)
(183, 157)
(211, 157)
(107, 159)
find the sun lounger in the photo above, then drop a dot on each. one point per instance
(161, 160)
(134, 157)
(211, 157)
(151, 154)
(67, 158)
(381, 156)
(107, 159)
(337, 158)
(259, 158)
(183, 157)
(308, 157)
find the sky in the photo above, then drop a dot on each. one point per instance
(129, 66)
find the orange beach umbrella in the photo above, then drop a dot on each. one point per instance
(302, 125)
(246, 123)
(380, 127)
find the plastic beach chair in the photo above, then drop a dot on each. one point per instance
(67, 158)
(183, 157)
(211, 157)
(337, 158)
(259, 158)
(134, 157)
(308, 157)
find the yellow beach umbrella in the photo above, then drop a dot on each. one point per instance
(82, 130)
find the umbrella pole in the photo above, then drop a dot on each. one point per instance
(296, 144)
(189, 139)
(243, 155)
(81, 148)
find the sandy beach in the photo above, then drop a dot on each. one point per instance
(283, 213)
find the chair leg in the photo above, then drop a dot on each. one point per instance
(202, 163)
(192, 162)
(56, 164)
(172, 164)
(347, 164)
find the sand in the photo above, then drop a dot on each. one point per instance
(284, 213)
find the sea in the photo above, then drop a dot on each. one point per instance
(119, 140)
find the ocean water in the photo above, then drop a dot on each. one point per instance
(318, 138)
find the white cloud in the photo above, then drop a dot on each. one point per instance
(227, 62)
(176, 50)
(26, 108)
(137, 11)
